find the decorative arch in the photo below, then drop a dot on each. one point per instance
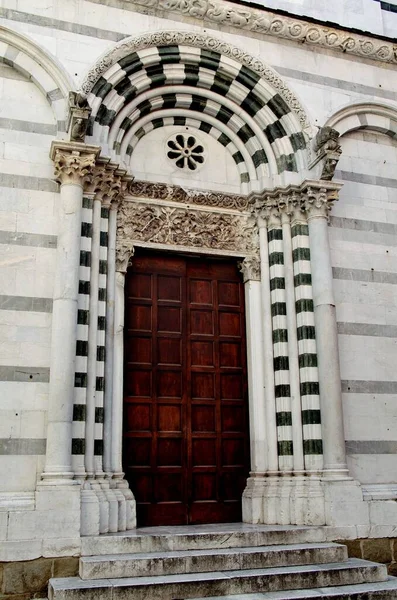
(365, 115)
(179, 78)
(39, 66)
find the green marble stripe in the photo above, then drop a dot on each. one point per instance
(299, 229)
(279, 308)
(283, 418)
(99, 414)
(282, 390)
(306, 332)
(308, 360)
(310, 388)
(277, 283)
(276, 258)
(280, 335)
(281, 363)
(78, 446)
(98, 447)
(311, 417)
(275, 234)
(304, 305)
(285, 448)
(88, 202)
(79, 412)
(301, 254)
(302, 279)
(312, 447)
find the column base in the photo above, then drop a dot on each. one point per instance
(304, 499)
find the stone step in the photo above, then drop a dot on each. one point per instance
(218, 583)
(383, 590)
(201, 561)
(199, 537)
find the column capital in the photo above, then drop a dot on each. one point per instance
(108, 183)
(310, 199)
(124, 251)
(250, 267)
(73, 161)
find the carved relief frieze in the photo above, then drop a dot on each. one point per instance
(265, 22)
(174, 193)
(184, 227)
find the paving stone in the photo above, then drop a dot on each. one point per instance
(27, 576)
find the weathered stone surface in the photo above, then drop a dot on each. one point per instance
(29, 576)
(379, 550)
(65, 567)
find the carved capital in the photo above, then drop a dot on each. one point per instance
(250, 267)
(124, 252)
(108, 183)
(73, 163)
(316, 203)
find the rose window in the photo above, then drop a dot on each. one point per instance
(185, 151)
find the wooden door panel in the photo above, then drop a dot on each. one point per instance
(185, 448)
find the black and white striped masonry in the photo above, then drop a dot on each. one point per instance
(80, 382)
(198, 87)
(280, 344)
(309, 386)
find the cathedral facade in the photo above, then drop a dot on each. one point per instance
(198, 290)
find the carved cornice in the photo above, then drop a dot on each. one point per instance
(250, 267)
(198, 40)
(142, 222)
(73, 162)
(265, 22)
(309, 200)
(174, 193)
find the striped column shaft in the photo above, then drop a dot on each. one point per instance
(310, 393)
(280, 344)
(80, 385)
(100, 371)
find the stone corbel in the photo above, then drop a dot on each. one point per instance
(327, 150)
(79, 113)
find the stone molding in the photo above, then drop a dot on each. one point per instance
(73, 163)
(309, 200)
(174, 193)
(265, 22)
(198, 40)
(166, 225)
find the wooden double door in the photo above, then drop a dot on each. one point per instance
(186, 441)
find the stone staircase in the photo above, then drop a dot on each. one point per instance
(213, 562)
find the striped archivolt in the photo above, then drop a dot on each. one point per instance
(304, 424)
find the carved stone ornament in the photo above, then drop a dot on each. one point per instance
(124, 253)
(79, 112)
(109, 183)
(265, 22)
(250, 267)
(198, 40)
(72, 166)
(328, 151)
(138, 222)
(311, 199)
(174, 193)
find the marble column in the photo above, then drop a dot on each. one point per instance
(73, 162)
(253, 494)
(317, 207)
